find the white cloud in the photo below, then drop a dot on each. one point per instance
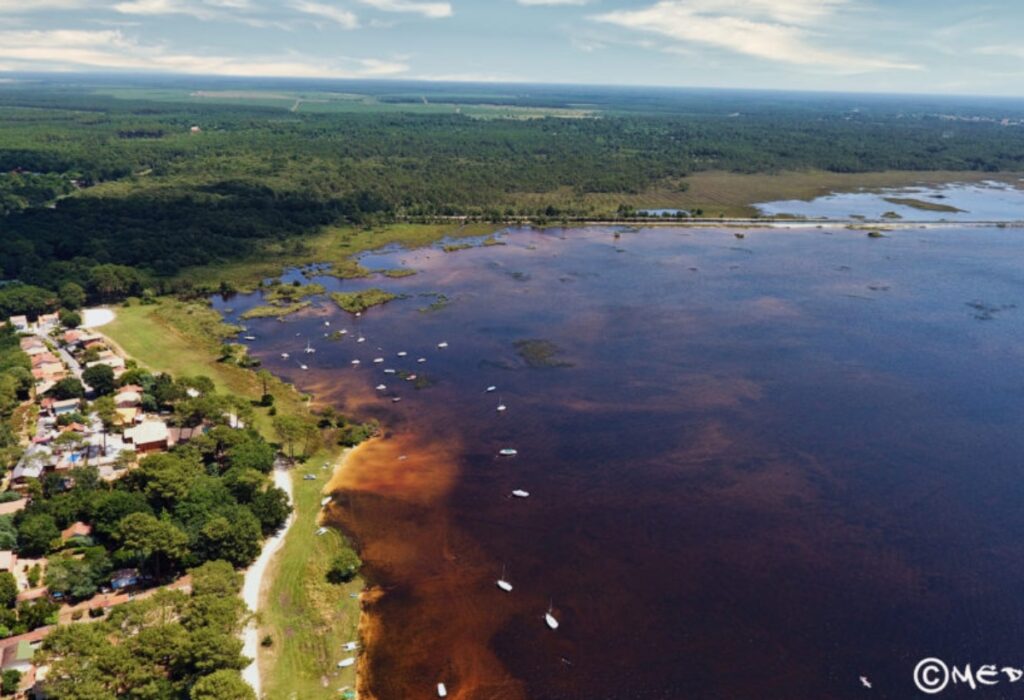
(1013, 50)
(200, 9)
(346, 19)
(775, 30)
(434, 10)
(21, 6)
(534, 3)
(69, 50)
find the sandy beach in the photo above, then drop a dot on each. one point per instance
(255, 581)
(94, 318)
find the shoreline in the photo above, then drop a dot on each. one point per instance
(257, 584)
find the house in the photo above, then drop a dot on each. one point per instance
(12, 507)
(150, 436)
(47, 364)
(47, 322)
(78, 529)
(109, 358)
(125, 578)
(20, 323)
(72, 337)
(63, 408)
(33, 346)
(128, 399)
(8, 560)
(18, 657)
(25, 471)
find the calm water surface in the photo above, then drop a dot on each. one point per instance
(987, 201)
(761, 468)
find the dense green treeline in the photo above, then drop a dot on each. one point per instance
(155, 195)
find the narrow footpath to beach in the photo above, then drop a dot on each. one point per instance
(254, 581)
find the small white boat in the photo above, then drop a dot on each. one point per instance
(442, 345)
(491, 388)
(356, 363)
(502, 408)
(325, 501)
(327, 323)
(381, 387)
(304, 368)
(508, 452)
(309, 349)
(442, 691)
(378, 360)
(422, 360)
(250, 337)
(396, 399)
(360, 339)
(285, 356)
(321, 531)
(411, 378)
(343, 331)
(345, 663)
(550, 619)
(351, 646)
(403, 354)
(519, 493)
(503, 583)
(390, 371)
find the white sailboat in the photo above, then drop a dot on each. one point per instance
(285, 356)
(519, 493)
(501, 407)
(508, 452)
(403, 354)
(355, 363)
(422, 360)
(378, 360)
(381, 387)
(550, 619)
(360, 339)
(309, 348)
(491, 388)
(503, 583)
(442, 345)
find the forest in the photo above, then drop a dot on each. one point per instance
(115, 193)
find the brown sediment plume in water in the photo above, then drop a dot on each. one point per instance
(389, 494)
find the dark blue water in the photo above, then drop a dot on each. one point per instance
(759, 468)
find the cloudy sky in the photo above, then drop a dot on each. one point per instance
(941, 46)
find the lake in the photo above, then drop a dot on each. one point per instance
(758, 468)
(986, 201)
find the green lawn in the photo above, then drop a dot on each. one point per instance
(333, 245)
(308, 618)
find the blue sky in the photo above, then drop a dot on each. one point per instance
(938, 46)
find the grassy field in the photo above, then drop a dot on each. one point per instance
(308, 618)
(734, 194)
(338, 102)
(334, 245)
